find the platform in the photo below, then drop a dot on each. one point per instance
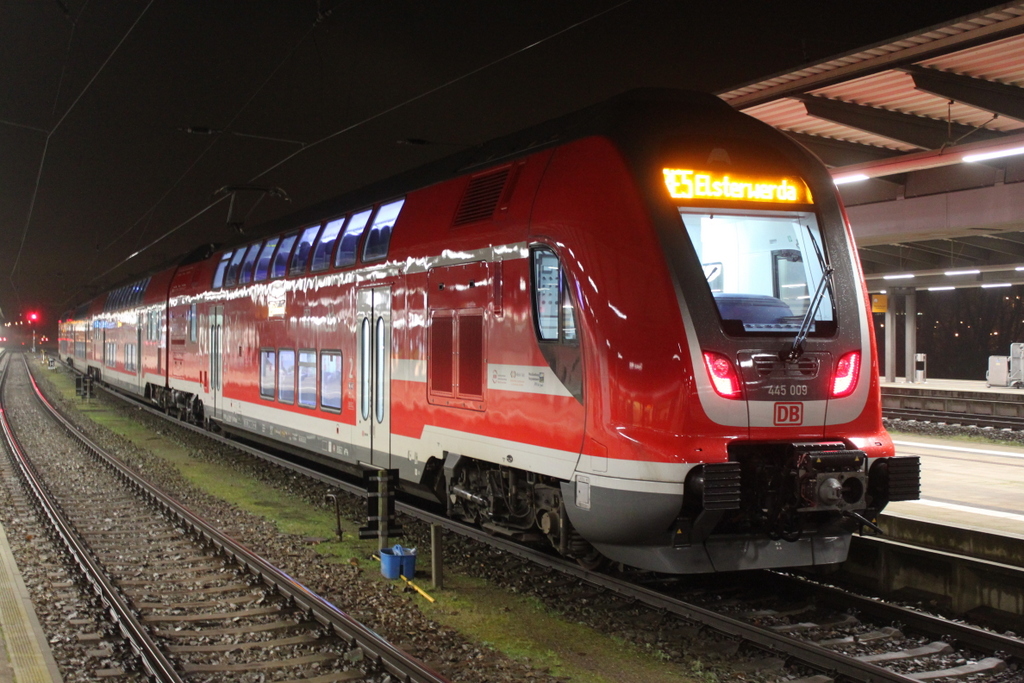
(25, 656)
(971, 495)
(952, 386)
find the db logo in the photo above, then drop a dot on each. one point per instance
(789, 413)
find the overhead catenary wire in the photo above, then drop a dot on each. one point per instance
(54, 129)
(355, 125)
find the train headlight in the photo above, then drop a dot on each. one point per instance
(723, 375)
(844, 381)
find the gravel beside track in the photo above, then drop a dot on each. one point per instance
(394, 613)
(383, 607)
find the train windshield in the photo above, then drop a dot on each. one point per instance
(763, 268)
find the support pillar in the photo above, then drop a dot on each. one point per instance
(890, 340)
(910, 350)
(436, 557)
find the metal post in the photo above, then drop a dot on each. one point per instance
(382, 509)
(910, 297)
(890, 339)
(436, 557)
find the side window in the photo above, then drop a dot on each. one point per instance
(218, 277)
(231, 277)
(379, 236)
(286, 376)
(249, 263)
(281, 258)
(268, 372)
(346, 255)
(263, 262)
(325, 245)
(193, 323)
(330, 380)
(302, 250)
(307, 379)
(552, 301)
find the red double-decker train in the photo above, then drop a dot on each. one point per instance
(638, 331)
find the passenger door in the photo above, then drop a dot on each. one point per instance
(216, 359)
(373, 386)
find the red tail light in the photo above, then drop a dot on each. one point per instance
(847, 372)
(723, 375)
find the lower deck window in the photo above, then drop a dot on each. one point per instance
(330, 380)
(286, 376)
(307, 379)
(268, 372)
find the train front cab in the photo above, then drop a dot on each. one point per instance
(758, 443)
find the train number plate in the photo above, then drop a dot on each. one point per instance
(789, 414)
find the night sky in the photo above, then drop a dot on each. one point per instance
(96, 97)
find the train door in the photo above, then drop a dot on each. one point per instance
(373, 392)
(139, 370)
(216, 387)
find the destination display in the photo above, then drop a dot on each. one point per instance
(688, 183)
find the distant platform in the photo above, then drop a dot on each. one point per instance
(954, 386)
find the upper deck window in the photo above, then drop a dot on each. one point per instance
(263, 262)
(218, 277)
(283, 252)
(347, 250)
(231, 277)
(325, 245)
(302, 249)
(379, 236)
(763, 268)
(249, 263)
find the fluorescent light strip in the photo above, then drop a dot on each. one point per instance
(994, 155)
(998, 284)
(855, 178)
(954, 273)
(940, 289)
(904, 276)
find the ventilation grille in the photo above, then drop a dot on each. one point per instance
(481, 198)
(806, 367)
(722, 486)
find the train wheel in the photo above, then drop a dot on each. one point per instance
(592, 561)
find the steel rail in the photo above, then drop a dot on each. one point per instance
(968, 636)
(146, 650)
(809, 654)
(393, 660)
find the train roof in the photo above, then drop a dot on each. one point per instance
(601, 118)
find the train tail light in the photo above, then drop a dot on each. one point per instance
(723, 375)
(844, 381)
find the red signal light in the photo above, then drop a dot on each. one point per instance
(33, 317)
(723, 375)
(844, 381)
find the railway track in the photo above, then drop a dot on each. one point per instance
(827, 632)
(190, 602)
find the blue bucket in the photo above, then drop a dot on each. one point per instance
(398, 561)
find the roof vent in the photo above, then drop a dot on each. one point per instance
(481, 198)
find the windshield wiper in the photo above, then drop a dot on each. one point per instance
(796, 349)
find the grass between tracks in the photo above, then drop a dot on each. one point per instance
(518, 626)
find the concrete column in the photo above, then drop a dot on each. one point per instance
(890, 338)
(910, 306)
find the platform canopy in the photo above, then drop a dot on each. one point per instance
(925, 137)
